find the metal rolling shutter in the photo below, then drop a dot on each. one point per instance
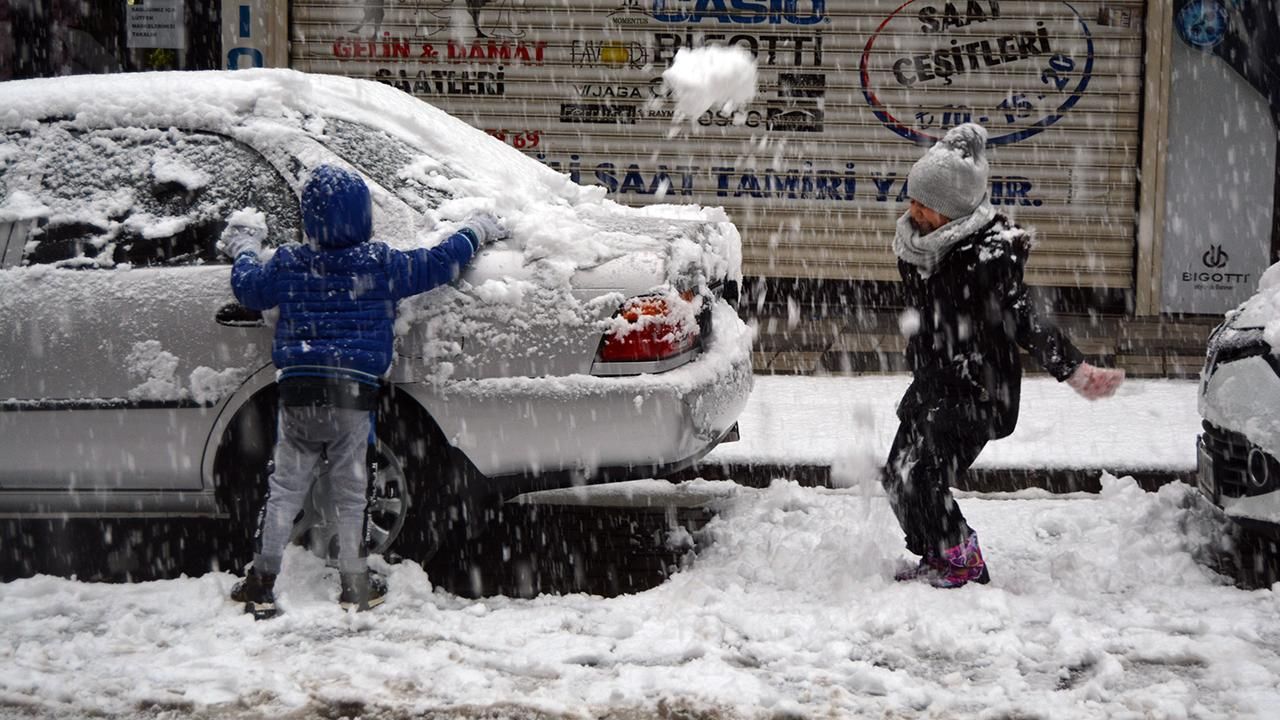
(849, 93)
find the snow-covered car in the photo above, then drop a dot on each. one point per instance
(597, 343)
(1239, 450)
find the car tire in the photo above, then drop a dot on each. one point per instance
(419, 485)
(442, 490)
(388, 506)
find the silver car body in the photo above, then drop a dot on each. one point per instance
(117, 383)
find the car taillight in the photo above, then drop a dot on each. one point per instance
(653, 328)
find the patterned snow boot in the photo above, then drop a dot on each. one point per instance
(963, 564)
(362, 591)
(257, 592)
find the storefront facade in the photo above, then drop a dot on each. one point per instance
(1137, 137)
(814, 171)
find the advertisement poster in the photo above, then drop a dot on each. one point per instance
(1220, 191)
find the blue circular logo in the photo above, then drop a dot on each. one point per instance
(1203, 23)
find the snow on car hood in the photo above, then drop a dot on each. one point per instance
(1263, 309)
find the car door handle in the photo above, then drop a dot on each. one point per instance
(233, 314)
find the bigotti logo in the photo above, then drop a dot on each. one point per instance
(741, 12)
(1216, 259)
(1042, 63)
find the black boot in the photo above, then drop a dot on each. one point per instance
(257, 592)
(362, 591)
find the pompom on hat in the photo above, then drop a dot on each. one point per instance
(953, 176)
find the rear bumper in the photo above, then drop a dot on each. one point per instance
(511, 486)
(599, 427)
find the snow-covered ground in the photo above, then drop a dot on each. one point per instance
(1100, 606)
(1147, 425)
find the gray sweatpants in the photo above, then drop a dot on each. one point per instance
(304, 433)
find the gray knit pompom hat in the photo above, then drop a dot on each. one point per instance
(952, 177)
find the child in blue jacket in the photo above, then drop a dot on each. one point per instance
(333, 345)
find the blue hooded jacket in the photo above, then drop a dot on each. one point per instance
(338, 299)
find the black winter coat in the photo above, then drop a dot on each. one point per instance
(974, 312)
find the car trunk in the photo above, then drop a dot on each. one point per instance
(515, 318)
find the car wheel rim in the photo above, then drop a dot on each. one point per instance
(388, 499)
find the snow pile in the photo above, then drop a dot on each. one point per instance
(1262, 310)
(711, 78)
(208, 385)
(248, 217)
(157, 369)
(559, 296)
(169, 169)
(1097, 608)
(21, 205)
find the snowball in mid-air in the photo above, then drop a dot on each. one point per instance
(712, 77)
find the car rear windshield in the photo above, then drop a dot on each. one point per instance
(136, 196)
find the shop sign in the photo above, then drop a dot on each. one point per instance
(156, 24)
(769, 49)
(803, 182)
(741, 12)
(1042, 62)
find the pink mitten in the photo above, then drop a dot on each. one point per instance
(1095, 383)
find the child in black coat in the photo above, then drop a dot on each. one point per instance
(968, 312)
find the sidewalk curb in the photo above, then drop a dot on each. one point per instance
(983, 480)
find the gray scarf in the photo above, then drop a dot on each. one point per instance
(925, 252)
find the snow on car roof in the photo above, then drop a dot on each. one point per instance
(223, 100)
